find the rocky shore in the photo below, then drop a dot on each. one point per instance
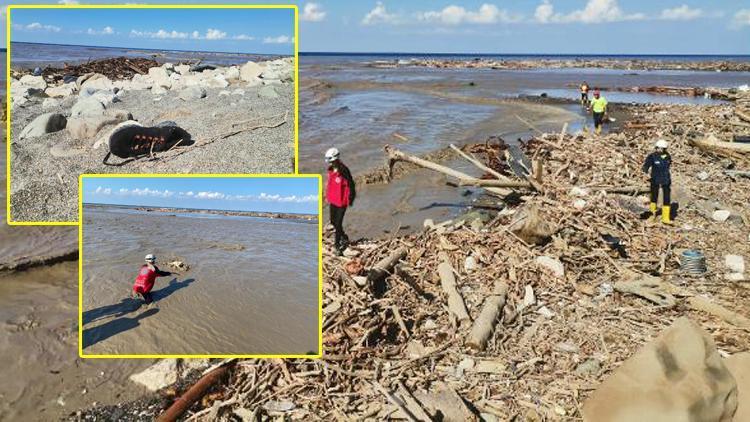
(240, 119)
(623, 64)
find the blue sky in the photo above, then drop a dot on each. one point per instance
(267, 31)
(295, 195)
(519, 26)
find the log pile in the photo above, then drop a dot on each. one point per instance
(118, 68)
(523, 317)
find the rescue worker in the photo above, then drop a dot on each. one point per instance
(146, 278)
(658, 163)
(599, 108)
(584, 93)
(340, 193)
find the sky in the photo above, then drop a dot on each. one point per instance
(264, 31)
(517, 26)
(293, 195)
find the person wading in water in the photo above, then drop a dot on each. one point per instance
(340, 193)
(146, 278)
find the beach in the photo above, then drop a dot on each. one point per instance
(237, 122)
(236, 296)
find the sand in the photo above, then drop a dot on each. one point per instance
(44, 187)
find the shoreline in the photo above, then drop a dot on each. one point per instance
(258, 214)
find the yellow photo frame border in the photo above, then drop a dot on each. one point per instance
(317, 177)
(9, 25)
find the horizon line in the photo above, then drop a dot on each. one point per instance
(201, 209)
(149, 49)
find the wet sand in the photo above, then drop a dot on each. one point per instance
(252, 286)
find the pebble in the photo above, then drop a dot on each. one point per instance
(429, 324)
(590, 366)
(43, 124)
(470, 264)
(545, 312)
(735, 263)
(702, 176)
(552, 264)
(721, 215)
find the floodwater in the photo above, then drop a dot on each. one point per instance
(365, 108)
(252, 285)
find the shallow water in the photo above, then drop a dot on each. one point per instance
(252, 286)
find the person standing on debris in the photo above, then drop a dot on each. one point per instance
(340, 193)
(584, 93)
(146, 278)
(599, 108)
(658, 162)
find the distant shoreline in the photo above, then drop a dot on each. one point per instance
(154, 49)
(261, 214)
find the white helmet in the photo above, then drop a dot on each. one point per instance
(661, 143)
(150, 258)
(332, 155)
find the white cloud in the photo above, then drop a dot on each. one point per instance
(103, 191)
(681, 13)
(741, 18)
(36, 26)
(215, 34)
(378, 15)
(595, 11)
(243, 37)
(456, 15)
(67, 2)
(313, 12)
(161, 34)
(107, 30)
(281, 39)
(210, 195)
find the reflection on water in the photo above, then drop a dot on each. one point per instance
(252, 287)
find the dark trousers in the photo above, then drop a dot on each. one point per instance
(147, 298)
(666, 193)
(337, 219)
(598, 119)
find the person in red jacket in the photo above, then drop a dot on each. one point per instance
(340, 193)
(146, 278)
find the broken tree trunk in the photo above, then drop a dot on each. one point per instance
(382, 268)
(711, 143)
(396, 155)
(479, 164)
(448, 283)
(484, 325)
(193, 394)
(700, 303)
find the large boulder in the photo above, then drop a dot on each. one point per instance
(63, 90)
(87, 127)
(278, 69)
(97, 82)
(192, 93)
(217, 81)
(250, 71)
(46, 123)
(677, 377)
(36, 82)
(232, 73)
(183, 69)
(89, 106)
(160, 76)
(161, 374)
(140, 82)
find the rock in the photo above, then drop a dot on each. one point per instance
(224, 92)
(579, 204)
(470, 264)
(702, 176)
(97, 81)
(429, 324)
(545, 312)
(161, 374)
(238, 91)
(679, 376)
(735, 263)
(87, 127)
(254, 82)
(50, 103)
(17, 101)
(567, 347)
(589, 367)
(529, 298)
(443, 399)
(739, 365)
(160, 76)
(721, 215)
(192, 93)
(268, 92)
(217, 81)
(278, 406)
(182, 69)
(576, 191)
(106, 97)
(36, 82)
(463, 366)
(169, 67)
(140, 82)
(735, 277)
(278, 69)
(332, 307)
(351, 253)
(61, 91)
(43, 124)
(250, 71)
(88, 106)
(232, 73)
(552, 264)
(158, 90)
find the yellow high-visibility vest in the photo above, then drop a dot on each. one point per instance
(598, 104)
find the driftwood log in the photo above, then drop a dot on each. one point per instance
(700, 303)
(382, 268)
(484, 325)
(193, 394)
(456, 304)
(710, 143)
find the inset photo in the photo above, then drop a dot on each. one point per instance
(200, 266)
(145, 90)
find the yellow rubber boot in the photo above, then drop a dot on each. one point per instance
(666, 217)
(598, 130)
(652, 208)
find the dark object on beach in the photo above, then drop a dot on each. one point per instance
(741, 138)
(37, 71)
(616, 245)
(195, 393)
(472, 84)
(115, 68)
(543, 95)
(517, 161)
(202, 67)
(133, 141)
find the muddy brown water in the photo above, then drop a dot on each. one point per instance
(252, 285)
